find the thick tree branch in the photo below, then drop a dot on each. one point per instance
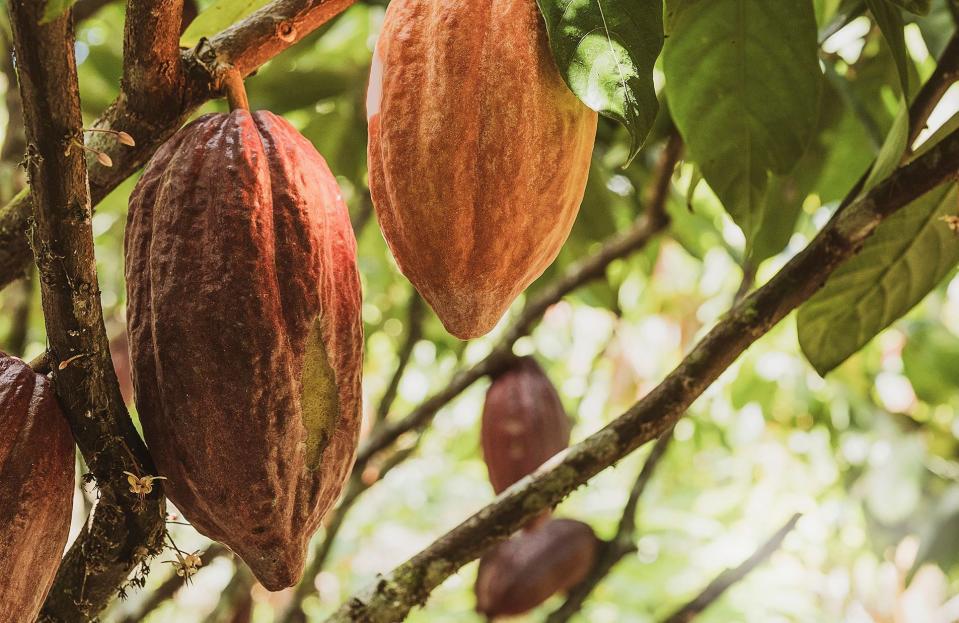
(246, 45)
(124, 530)
(621, 545)
(410, 584)
(152, 73)
(727, 578)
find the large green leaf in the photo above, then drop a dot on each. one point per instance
(606, 50)
(216, 17)
(889, 19)
(743, 83)
(907, 256)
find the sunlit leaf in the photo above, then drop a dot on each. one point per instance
(216, 17)
(909, 254)
(606, 50)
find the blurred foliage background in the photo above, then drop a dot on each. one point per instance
(869, 455)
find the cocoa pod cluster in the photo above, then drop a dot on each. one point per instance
(478, 153)
(523, 426)
(36, 488)
(245, 334)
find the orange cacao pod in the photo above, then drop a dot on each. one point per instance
(523, 425)
(36, 488)
(519, 574)
(245, 334)
(478, 153)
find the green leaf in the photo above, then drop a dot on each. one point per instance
(903, 261)
(55, 8)
(930, 360)
(216, 17)
(889, 19)
(919, 7)
(743, 83)
(606, 50)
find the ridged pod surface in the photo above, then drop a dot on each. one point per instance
(478, 153)
(519, 574)
(245, 334)
(36, 488)
(523, 425)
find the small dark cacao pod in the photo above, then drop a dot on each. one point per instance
(519, 574)
(36, 488)
(524, 423)
(245, 334)
(478, 153)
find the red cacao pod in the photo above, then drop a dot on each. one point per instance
(523, 425)
(36, 488)
(245, 334)
(478, 153)
(519, 574)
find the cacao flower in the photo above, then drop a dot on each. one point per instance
(519, 574)
(245, 334)
(523, 425)
(36, 488)
(478, 153)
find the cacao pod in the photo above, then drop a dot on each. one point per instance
(36, 488)
(120, 354)
(519, 574)
(245, 334)
(523, 424)
(478, 153)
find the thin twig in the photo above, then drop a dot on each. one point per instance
(172, 584)
(414, 333)
(727, 578)
(621, 545)
(124, 530)
(358, 484)
(410, 584)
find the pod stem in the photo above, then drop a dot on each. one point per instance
(232, 84)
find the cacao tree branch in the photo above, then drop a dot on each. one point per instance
(650, 224)
(414, 333)
(621, 545)
(727, 578)
(410, 584)
(945, 75)
(124, 530)
(169, 587)
(152, 73)
(245, 45)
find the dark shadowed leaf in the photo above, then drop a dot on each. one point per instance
(743, 82)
